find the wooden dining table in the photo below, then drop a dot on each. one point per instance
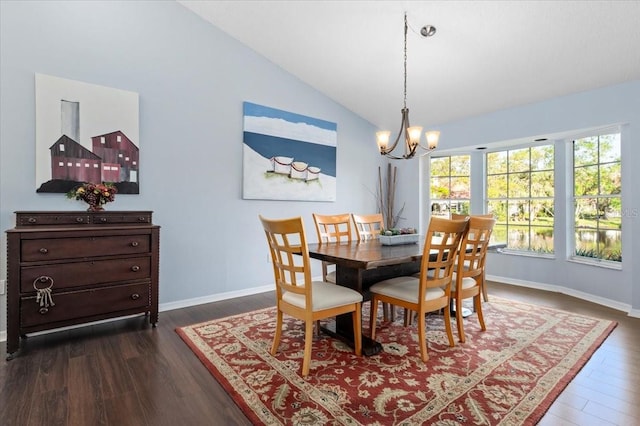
(359, 265)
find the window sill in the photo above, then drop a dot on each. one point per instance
(526, 253)
(597, 263)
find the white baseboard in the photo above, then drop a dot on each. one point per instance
(624, 307)
(214, 298)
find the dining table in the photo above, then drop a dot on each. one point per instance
(359, 265)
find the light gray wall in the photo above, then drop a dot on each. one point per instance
(618, 104)
(192, 80)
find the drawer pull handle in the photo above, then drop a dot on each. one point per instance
(103, 219)
(135, 268)
(43, 250)
(32, 220)
(79, 219)
(43, 310)
(135, 296)
(142, 219)
(134, 244)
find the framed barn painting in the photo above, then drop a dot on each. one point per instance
(288, 156)
(85, 133)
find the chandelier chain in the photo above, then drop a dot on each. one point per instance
(405, 60)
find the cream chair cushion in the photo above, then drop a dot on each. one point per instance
(325, 296)
(404, 288)
(467, 282)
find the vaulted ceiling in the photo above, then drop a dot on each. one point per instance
(485, 56)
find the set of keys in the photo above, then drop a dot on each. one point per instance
(43, 295)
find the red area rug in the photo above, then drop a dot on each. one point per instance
(507, 375)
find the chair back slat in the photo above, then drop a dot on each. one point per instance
(368, 226)
(473, 249)
(288, 247)
(442, 242)
(333, 228)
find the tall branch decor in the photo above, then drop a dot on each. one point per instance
(386, 196)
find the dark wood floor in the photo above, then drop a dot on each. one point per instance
(127, 373)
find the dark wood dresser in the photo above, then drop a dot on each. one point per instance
(66, 268)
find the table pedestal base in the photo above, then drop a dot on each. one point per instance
(369, 347)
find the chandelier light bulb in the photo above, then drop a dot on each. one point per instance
(432, 139)
(383, 139)
(414, 135)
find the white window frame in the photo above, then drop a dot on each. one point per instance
(571, 224)
(515, 147)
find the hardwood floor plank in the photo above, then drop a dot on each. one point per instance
(578, 417)
(604, 412)
(613, 402)
(86, 403)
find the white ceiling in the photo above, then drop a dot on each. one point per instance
(485, 56)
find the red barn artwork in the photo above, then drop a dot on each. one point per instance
(119, 157)
(71, 161)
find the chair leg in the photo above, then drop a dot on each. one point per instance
(308, 339)
(447, 325)
(478, 304)
(373, 314)
(483, 286)
(357, 329)
(459, 319)
(318, 328)
(276, 336)
(422, 336)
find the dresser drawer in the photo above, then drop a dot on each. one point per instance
(78, 274)
(120, 218)
(44, 249)
(83, 304)
(52, 219)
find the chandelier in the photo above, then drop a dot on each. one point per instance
(409, 134)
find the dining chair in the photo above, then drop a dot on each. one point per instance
(429, 292)
(296, 294)
(485, 294)
(368, 227)
(332, 228)
(468, 275)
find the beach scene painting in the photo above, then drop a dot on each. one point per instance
(287, 156)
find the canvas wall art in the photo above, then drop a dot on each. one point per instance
(85, 133)
(288, 156)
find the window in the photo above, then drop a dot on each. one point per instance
(450, 185)
(520, 190)
(597, 197)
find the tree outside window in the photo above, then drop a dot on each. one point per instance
(597, 189)
(450, 185)
(520, 191)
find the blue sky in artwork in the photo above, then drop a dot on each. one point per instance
(251, 109)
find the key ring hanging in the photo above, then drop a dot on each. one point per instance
(43, 295)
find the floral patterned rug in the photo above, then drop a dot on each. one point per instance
(507, 375)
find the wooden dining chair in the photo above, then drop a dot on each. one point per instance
(296, 294)
(485, 294)
(468, 275)
(368, 227)
(429, 292)
(332, 228)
